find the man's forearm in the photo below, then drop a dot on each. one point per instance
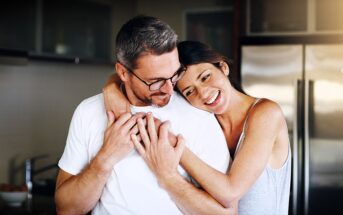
(192, 200)
(79, 194)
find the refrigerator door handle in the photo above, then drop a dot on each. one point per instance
(295, 176)
(308, 88)
(306, 148)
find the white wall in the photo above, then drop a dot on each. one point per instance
(37, 103)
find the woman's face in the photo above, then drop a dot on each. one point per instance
(206, 87)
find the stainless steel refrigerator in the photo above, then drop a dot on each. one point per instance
(307, 82)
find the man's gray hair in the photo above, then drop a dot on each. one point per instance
(142, 35)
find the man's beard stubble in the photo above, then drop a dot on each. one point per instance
(149, 100)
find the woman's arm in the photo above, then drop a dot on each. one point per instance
(263, 129)
(163, 159)
(114, 98)
(117, 103)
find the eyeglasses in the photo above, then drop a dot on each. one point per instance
(156, 85)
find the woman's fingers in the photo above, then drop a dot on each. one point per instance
(157, 124)
(138, 145)
(151, 128)
(143, 133)
(180, 145)
(163, 132)
(110, 119)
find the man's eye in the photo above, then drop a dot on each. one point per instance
(204, 78)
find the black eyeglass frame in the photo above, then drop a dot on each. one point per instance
(178, 75)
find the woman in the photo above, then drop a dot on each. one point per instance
(255, 131)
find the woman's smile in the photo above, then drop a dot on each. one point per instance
(214, 99)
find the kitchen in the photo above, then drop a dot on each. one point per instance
(43, 79)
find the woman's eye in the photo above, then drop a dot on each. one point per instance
(204, 78)
(188, 93)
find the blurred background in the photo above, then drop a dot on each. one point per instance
(55, 53)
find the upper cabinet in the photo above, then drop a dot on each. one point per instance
(329, 15)
(273, 17)
(76, 28)
(211, 26)
(17, 25)
(79, 29)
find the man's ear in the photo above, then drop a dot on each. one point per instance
(122, 72)
(224, 67)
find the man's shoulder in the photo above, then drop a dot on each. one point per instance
(185, 108)
(92, 105)
(95, 101)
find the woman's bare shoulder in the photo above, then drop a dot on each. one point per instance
(267, 113)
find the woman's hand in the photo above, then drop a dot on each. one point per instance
(172, 137)
(162, 158)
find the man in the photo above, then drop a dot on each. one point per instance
(99, 169)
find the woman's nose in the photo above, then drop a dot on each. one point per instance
(203, 93)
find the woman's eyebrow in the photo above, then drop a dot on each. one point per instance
(185, 89)
(199, 76)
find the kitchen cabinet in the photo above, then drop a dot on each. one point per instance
(17, 25)
(57, 29)
(280, 17)
(76, 28)
(211, 26)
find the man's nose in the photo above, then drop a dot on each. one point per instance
(168, 87)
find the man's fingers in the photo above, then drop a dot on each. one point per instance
(132, 121)
(151, 128)
(138, 145)
(134, 129)
(164, 130)
(123, 118)
(111, 118)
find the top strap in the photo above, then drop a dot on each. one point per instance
(242, 136)
(249, 111)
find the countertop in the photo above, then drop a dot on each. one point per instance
(41, 205)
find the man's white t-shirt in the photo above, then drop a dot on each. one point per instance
(132, 188)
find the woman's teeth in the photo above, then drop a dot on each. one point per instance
(214, 97)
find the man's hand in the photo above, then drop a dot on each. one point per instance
(117, 141)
